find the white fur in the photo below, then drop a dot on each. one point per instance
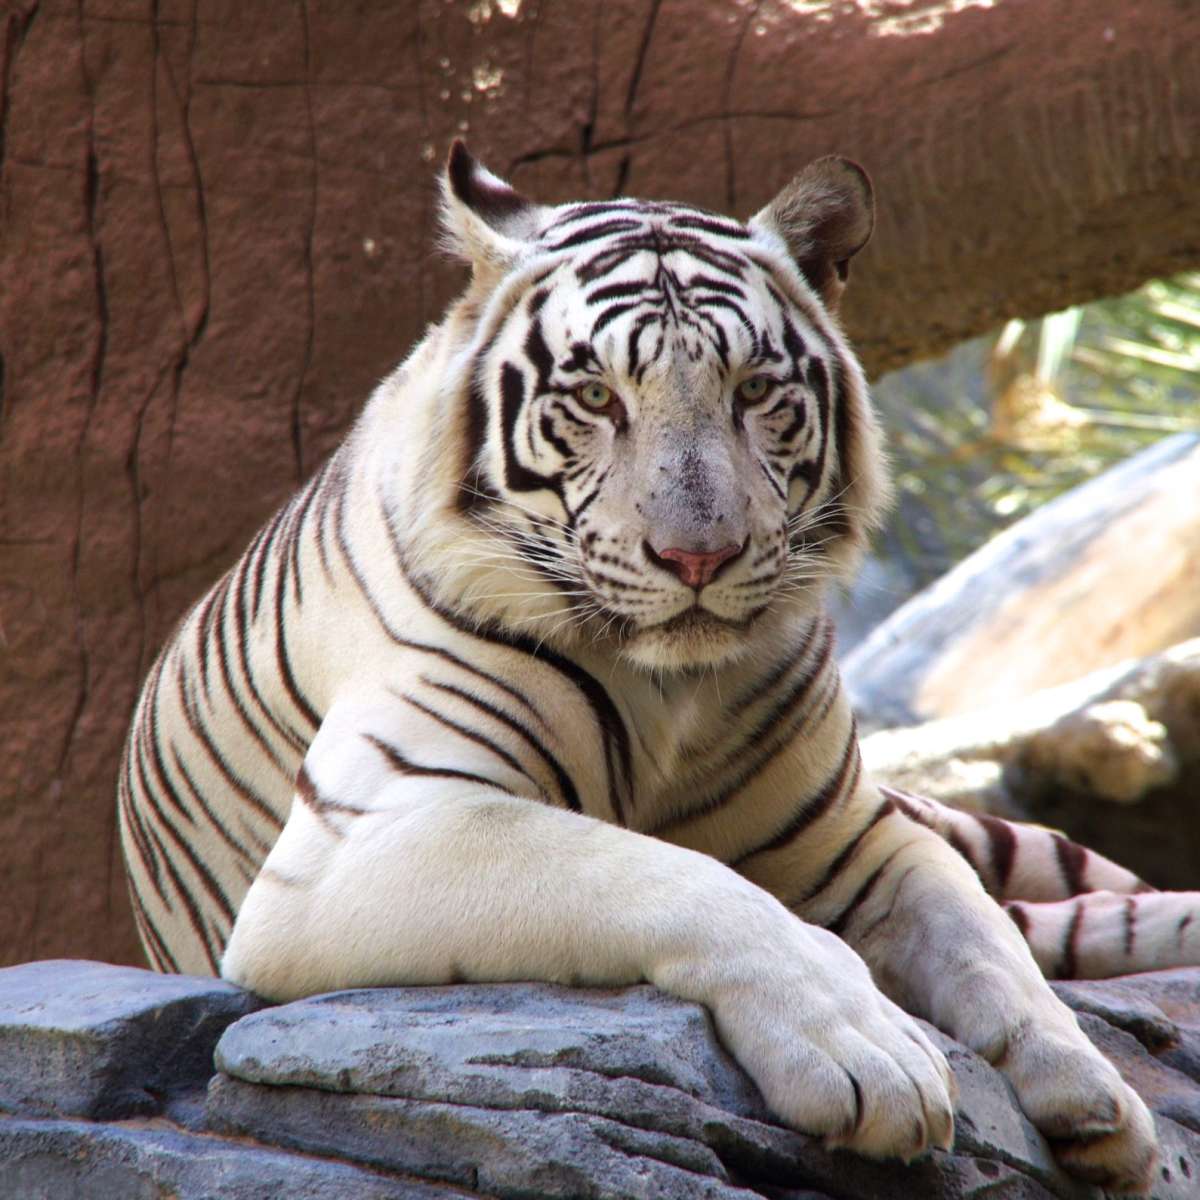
(414, 853)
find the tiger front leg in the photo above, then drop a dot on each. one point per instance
(381, 877)
(939, 945)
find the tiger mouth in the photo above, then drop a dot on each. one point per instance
(702, 620)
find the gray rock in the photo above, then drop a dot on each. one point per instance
(1167, 1091)
(511, 1087)
(520, 1045)
(1178, 1162)
(62, 1160)
(1160, 1008)
(93, 1040)
(989, 1124)
(505, 1091)
(512, 1153)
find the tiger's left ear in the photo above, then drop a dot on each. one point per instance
(485, 221)
(825, 216)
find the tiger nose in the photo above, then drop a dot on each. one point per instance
(696, 569)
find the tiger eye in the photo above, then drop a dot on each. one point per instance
(594, 395)
(754, 389)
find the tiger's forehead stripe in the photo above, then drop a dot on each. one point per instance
(693, 277)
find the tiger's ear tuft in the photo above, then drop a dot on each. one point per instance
(824, 216)
(484, 221)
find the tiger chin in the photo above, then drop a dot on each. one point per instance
(533, 680)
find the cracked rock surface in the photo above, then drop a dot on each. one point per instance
(110, 1087)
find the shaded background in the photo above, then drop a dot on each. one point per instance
(216, 234)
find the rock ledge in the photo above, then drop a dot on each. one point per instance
(120, 1083)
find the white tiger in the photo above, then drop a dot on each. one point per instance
(533, 681)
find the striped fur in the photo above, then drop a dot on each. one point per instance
(533, 680)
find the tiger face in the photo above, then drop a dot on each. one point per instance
(667, 437)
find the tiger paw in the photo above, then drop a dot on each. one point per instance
(842, 1063)
(1099, 1128)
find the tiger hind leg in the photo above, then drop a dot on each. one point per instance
(1016, 861)
(1097, 935)
(1083, 915)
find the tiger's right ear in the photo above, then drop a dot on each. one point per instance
(484, 221)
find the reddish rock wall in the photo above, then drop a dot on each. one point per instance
(215, 235)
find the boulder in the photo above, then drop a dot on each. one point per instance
(514, 1091)
(1112, 760)
(56, 1159)
(93, 1040)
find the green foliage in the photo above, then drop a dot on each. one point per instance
(1004, 423)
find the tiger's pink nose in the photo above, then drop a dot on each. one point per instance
(696, 570)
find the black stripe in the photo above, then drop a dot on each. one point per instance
(1129, 916)
(619, 291)
(303, 503)
(195, 918)
(306, 789)
(405, 766)
(148, 747)
(587, 501)
(198, 798)
(475, 434)
(846, 435)
(759, 688)
(223, 658)
(199, 867)
(235, 781)
(203, 630)
(1003, 843)
(1068, 966)
(963, 847)
(780, 490)
(1020, 918)
(710, 225)
(265, 543)
(766, 739)
(611, 313)
(517, 476)
(159, 851)
(592, 233)
(843, 919)
(344, 549)
(817, 378)
(836, 867)
(909, 805)
(800, 689)
(298, 699)
(618, 759)
(470, 735)
(141, 839)
(588, 209)
(1072, 864)
(320, 806)
(450, 657)
(722, 287)
(565, 784)
(841, 782)
(550, 434)
(155, 944)
(242, 632)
